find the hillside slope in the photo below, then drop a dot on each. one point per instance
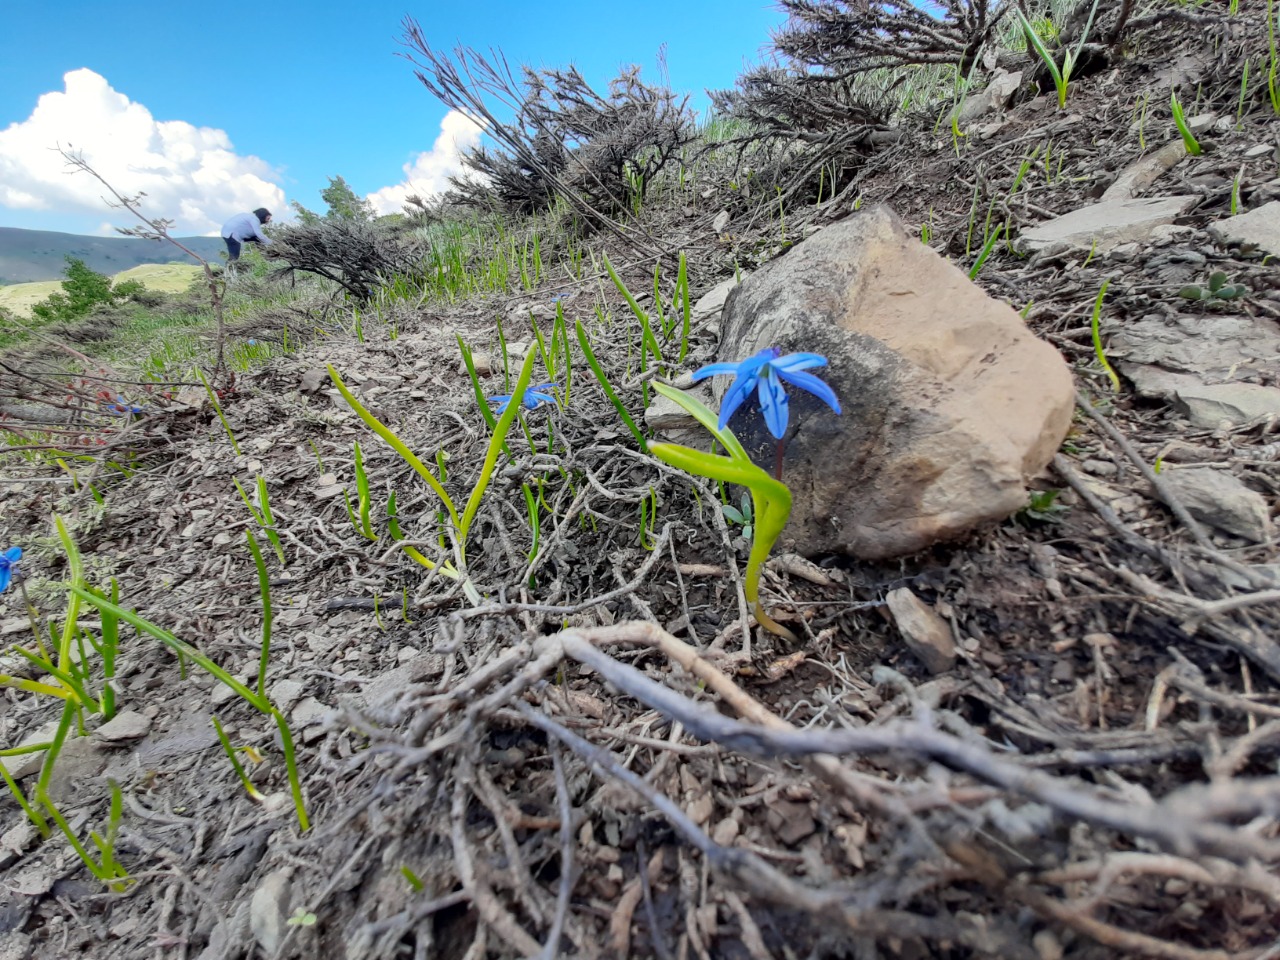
(31, 255)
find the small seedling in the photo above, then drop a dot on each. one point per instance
(1188, 138)
(1217, 289)
(1098, 350)
(1042, 507)
(743, 517)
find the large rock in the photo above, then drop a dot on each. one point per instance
(950, 404)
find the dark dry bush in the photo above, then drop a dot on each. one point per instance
(565, 139)
(356, 254)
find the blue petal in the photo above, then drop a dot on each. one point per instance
(773, 403)
(811, 384)
(5, 575)
(736, 395)
(533, 400)
(539, 387)
(799, 361)
(501, 401)
(714, 370)
(13, 554)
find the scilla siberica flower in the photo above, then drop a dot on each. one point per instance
(8, 560)
(533, 397)
(766, 372)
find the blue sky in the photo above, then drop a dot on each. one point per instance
(216, 109)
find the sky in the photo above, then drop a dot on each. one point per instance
(218, 109)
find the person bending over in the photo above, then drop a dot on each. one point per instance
(245, 228)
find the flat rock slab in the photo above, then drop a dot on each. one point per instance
(1210, 346)
(1108, 224)
(1145, 171)
(1219, 499)
(950, 403)
(1208, 406)
(1259, 228)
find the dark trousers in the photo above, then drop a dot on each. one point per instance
(233, 247)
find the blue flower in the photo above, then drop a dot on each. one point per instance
(121, 405)
(533, 397)
(7, 561)
(766, 371)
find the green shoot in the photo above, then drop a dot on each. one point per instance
(648, 520)
(682, 297)
(365, 498)
(264, 590)
(254, 793)
(531, 505)
(1244, 89)
(491, 456)
(412, 879)
(1273, 70)
(213, 399)
(1061, 78)
(992, 239)
(393, 525)
(605, 385)
(770, 498)
(396, 444)
(37, 819)
(106, 868)
(1188, 138)
(263, 515)
(255, 699)
(1097, 338)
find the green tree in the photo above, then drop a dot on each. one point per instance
(344, 203)
(83, 290)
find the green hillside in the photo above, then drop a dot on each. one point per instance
(31, 255)
(161, 277)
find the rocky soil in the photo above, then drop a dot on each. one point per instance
(1053, 736)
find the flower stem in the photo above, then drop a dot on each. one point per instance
(777, 460)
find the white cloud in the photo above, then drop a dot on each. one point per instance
(430, 171)
(190, 174)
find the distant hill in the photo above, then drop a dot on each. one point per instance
(30, 255)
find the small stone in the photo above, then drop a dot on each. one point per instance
(791, 822)
(1063, 671)
(124, 726)
(926, 633)
(1047, 945)
(269, 911)
(1101, 468)
(721, 222)
(284, 693)
(313, 379)
(726, 831)
(482, 361)
(1259, 151)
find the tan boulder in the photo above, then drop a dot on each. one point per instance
(950, 403)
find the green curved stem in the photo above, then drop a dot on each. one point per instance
(396, 444)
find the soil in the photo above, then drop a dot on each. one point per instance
(1094, 777)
